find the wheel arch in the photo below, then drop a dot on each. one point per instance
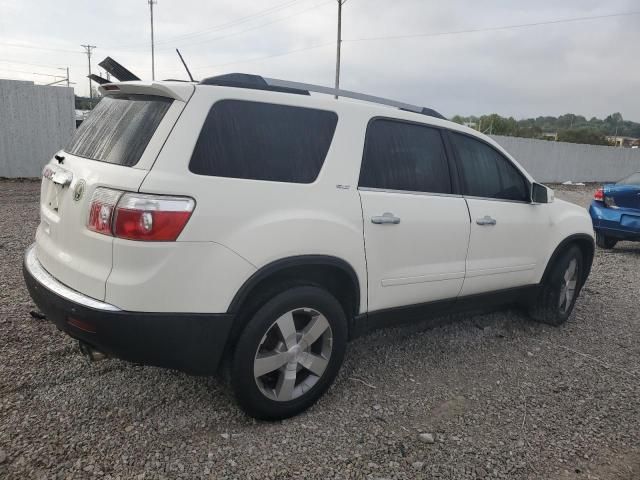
(587, 246)
(316, 269)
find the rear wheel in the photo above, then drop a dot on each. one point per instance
(289, 353)
(604, 241)
(560, 290)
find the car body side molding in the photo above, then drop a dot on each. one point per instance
(439, 309)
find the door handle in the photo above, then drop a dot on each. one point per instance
(486, 221)
(386, 218)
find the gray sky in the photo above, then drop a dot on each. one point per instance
(585, 67)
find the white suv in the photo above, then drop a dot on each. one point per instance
(254, 226)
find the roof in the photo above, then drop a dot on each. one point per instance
(256, 82)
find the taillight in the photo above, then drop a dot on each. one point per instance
(599, 195)
(137, 216)
(156, 218)
(103, 203)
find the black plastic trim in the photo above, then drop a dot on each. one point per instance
(480, 303)
(429, 112)
(297, 261)
(252, 82)
(563, 245)
(191, 342)
(456, 179)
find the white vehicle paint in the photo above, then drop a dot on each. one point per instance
(230, 240)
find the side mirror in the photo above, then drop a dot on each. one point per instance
(541, 194)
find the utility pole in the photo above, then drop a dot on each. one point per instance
(88, 49)
(340, 3)
(68, 77)
(153, 60)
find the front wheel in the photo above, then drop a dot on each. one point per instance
(604, 241)
(289, 353)
(560, 290)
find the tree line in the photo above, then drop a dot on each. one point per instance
(565, 128)
(569, 127)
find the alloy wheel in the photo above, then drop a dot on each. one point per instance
(568, 286)
(293, 354)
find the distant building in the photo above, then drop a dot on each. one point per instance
(619, 141)
(550, 136)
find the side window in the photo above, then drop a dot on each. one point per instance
(487, 173)
(263, 141)
(404, 156)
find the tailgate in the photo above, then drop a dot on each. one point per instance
(74, 255)
(115, 148)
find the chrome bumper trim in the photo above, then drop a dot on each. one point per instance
(35, 268)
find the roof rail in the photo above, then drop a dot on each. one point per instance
(243, 80)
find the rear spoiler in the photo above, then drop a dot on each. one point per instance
(177, 90)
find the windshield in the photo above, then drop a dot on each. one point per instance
(633, 179)
(119, 128)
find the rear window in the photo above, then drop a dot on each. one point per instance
(263, 141)
(119, 128)
(633, 179)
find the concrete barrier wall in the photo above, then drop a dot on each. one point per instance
(556, 162)
(35, 122)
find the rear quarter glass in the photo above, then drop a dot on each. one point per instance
(119, 128)
(263, 141)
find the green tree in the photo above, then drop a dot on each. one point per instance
(583, 135)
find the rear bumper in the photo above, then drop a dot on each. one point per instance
(615, 222)
(191, 342)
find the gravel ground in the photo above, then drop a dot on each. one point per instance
(497, 395)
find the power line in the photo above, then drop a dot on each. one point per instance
(235, 22)
(17, 45)
(216, 28)
(31, 73)
(2, 60)
(257, 27)
(492, 29)
(282, 54)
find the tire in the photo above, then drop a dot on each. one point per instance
(556, 300)
(281, 365)
(605, 242)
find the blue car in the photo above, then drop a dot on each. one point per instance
(615, 212)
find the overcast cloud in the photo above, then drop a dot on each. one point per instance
(588, 67)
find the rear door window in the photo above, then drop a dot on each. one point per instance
(263, 141)
(119, 128)
(404, 156)
(486, 173)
